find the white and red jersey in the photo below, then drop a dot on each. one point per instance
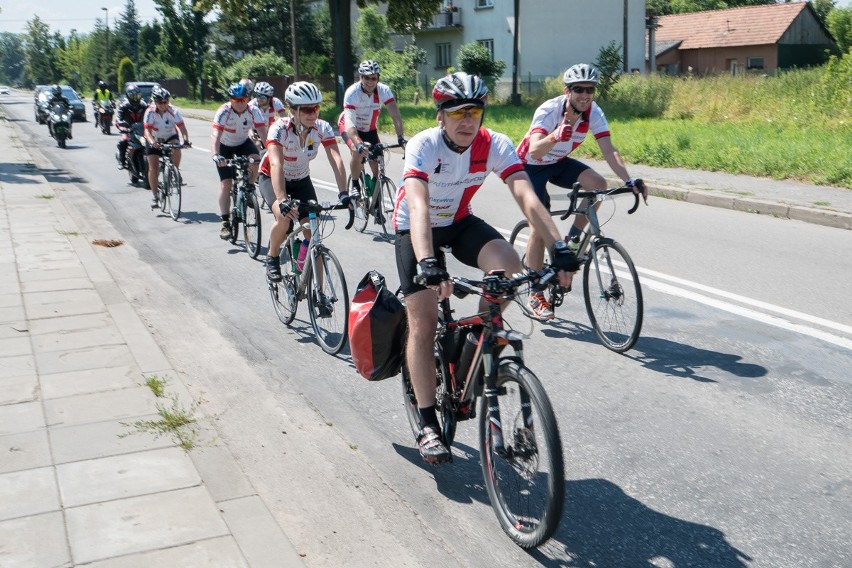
(361, 109)
(548, 117)
(274, 107)
(297, 156)
(453, 178)
(162, 126)
(235, 127)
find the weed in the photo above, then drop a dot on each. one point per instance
(174, 420)
(69, 233)
(822, 203)
(157, 385)
(45, 196)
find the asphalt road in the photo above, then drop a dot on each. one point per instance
(720, 440)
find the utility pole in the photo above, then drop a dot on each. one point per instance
(626, 19)
(293, 40)
(106, 54)
(516, 96)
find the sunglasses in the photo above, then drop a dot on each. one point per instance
(262, 97)
(239, 99)
(370, 77)
(163, 102)
(307, 109)
(587, 90)
(460, 114)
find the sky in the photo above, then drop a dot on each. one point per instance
(65, 15)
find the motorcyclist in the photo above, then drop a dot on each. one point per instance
(129, 113)
(102, 93)
(56, 97)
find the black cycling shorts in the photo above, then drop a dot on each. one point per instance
(563, 173)
(301, 189)
(372, 137)
(247, 148)
(466, 237)
(151, 151)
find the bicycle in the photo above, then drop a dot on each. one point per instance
(320, 280)
(245, 206)
(520, 446)
(614, 305)
(377, 199)
(168, 190)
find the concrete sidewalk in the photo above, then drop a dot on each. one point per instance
(80, 483)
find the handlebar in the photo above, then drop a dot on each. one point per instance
(242, 160)
(594, 194)
(376, 150)
(312, 206)
(497, 285)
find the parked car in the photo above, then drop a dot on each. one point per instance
(144, 86)
(4, 90)
(78, 109)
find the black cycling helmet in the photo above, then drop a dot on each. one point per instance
(160, 94)
(102, 85)
(134, 93)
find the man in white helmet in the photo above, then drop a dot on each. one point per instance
(558, 127)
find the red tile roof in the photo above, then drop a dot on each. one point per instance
(749, 25)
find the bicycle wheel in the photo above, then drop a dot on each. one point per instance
(613, 295)
(284, 296)
(519, 238)
(362, 205)
(384, 206)
(446, 417)
(163, 189)
(173, 192)
(328, 301)
(526, 483)
(251, 227)
(234, 220)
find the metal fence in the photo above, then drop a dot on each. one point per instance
(180, 87)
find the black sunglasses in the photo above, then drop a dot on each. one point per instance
(587, 90)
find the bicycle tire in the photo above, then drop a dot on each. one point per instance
(361, 205)
(284, 294)
(381, 206)
(234, 220)
(163, 190)
(330, 330)
(511, 481)
(518, 239)
(252, 226)
(447, 420)
(173, 192)
(615, 316)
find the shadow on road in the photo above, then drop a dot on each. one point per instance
(14, 174)
(685, 361)
(197, 217)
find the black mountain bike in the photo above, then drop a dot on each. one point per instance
(245, 206)
(611, 289)
(520, 447)
(168, 189)
(377, 195)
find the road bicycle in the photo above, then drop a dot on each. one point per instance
(611, 289)
(320, 280)
(168, 189)
(245, 206)
(520, 446)
(377, 196)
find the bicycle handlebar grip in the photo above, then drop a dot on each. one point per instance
(575, 189)
(633, 209)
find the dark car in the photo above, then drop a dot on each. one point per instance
(43, 94)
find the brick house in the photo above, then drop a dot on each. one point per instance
(752, 38)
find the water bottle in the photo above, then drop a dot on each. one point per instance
(466, 357)
(370, 183)
(297, 248)
(303, 252)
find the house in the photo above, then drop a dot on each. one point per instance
(752, 38)
(553, 35)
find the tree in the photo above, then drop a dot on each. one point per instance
(372, 30)
(126, 73)
(127, 28)
(39, 55)
(149, 39)
(475, 59)
(663, 7)
(71, 60)
(609, 63)
(406, 16)
(11, 59)
(184, 37)
(257, 65)
(839, 23)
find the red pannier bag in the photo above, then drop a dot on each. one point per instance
(377, 328)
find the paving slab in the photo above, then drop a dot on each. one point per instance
(58, 385)
(257, 533)
(14, 314)
(26, 450)
(129, 475)
(71, 323)
(9, 298)
(12, 346)
(21, 417)
(100, 439)
(221, 472)
(37, 541)
(145, 350)
(139, 524)
(54, 285)
(221, 552)
(77, 339)
(81, 359)
(28, 492)
(101, 406)
(62, 303)
(19, 389)
(51, 273)
(17, 366)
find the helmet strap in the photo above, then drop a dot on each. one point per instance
(452, 145)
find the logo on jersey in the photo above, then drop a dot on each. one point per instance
(438, 169)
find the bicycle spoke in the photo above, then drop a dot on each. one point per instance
(251, 227)
(328, 301)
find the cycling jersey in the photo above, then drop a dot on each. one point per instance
(362, 110)
(548, 117)
(162, 126)
(296, 157)
(453, 178)
(235, 126)
(274, 107)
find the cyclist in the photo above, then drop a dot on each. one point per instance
(102, 93)
(56, 97)
(232, 125)
(129, 113)
(268, 104)
(162, 123)
(559, 126)
(444, 167)
(362, 104)
(285, 169)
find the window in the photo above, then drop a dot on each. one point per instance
(443, 57)
(754, 63)
(488, 44)
(484, 4)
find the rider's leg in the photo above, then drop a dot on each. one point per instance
(176, 154)
(153, 173)
(355, 167)
(225, 207)
(122, 153)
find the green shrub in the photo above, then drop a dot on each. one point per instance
(256, 65)
(126, 72)
(475, 59)
(158, 70)
(639, 97)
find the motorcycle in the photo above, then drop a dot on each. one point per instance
(59, 123)
(105, 111)
(134, 156)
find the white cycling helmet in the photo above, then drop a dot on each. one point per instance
(369, 67)
(302, 93)
(264, 89)
(581, 73)
(459, 88)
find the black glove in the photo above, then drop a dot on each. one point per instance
(429, 273)
(639, 187)
(401, 141)
(561, 257)
(285, 207)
